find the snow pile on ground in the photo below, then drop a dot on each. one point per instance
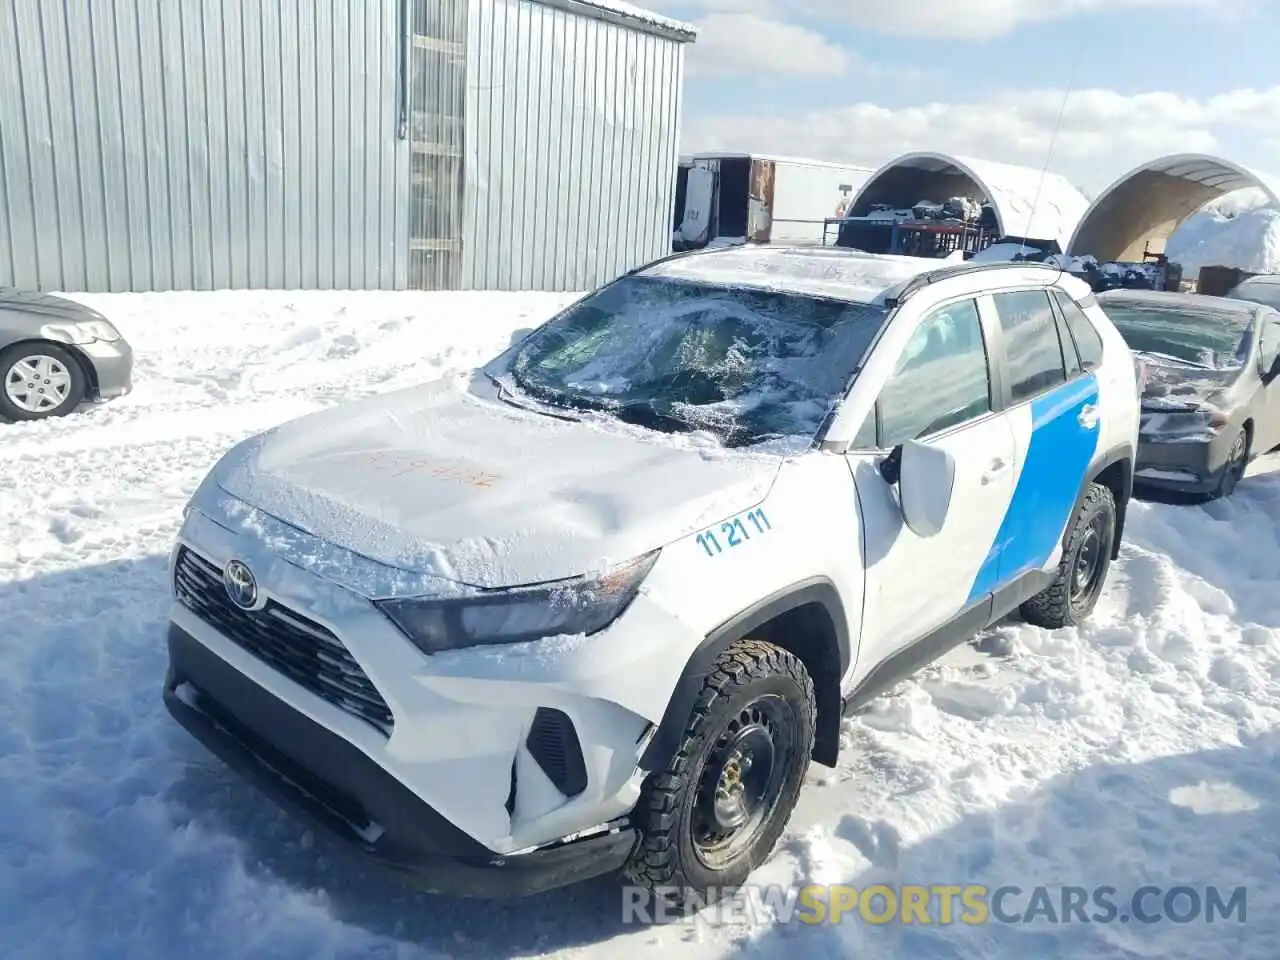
(1139, 749)
(1241, 229)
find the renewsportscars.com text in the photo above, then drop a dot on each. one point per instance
(941, 904)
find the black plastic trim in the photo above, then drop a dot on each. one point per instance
(554, 745)
(816, 590)
(306, 767)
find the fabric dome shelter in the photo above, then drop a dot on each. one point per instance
(1148, 203)
(1029, 204)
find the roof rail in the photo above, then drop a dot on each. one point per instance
(922, 280)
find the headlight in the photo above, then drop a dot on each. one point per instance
(80, 331)
(1185, 425)
(583, 605)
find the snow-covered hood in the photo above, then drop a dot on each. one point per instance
(1173, 386)
(439, 481)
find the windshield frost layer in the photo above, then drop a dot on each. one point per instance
(746, 365)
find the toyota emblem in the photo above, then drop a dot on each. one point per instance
(240, 585)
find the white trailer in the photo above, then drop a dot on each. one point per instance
(757, 198)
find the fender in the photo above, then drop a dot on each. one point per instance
(827, 670)
(1124, 456)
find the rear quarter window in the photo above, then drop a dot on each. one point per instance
(1087, 340)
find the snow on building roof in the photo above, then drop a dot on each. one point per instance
(1029, 203)
(777, 158)
(836, 273)
(619, 11)
(1148, 203)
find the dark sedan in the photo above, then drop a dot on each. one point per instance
(1211, 399)
(56, 354)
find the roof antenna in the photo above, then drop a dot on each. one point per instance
(1053, 142)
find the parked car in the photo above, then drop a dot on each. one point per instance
(55, 354)
(1211, 402)
(601, 607)
(1263, 289)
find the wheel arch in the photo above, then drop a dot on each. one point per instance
(806, 619)
(1114, 470)
(86, 368)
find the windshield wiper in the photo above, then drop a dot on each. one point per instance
(507, 396)
(648, 416)
(1172, 359)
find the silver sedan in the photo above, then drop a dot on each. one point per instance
(56, 354)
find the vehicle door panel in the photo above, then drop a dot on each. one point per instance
(1056, 424)
(916, 584)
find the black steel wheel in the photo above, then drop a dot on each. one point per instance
(1082, 572)
(718, 808)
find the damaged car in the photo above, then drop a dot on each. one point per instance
(1211, 402)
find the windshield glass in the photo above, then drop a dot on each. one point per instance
(1267, 294)
(1203, 337)
(746, 365)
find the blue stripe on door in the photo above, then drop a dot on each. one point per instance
(1053, 470)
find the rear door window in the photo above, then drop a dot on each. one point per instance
(1032, 348)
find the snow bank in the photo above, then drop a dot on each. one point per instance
(1239, 230)
(1140, 748)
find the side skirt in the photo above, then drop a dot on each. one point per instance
(960, 629)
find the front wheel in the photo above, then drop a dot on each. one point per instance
(39, 380)
(718, 809)
(1082, 572)
(1233, 470)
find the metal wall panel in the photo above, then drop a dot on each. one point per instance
(572, 129)
(157, 144)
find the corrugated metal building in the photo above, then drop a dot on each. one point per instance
(334, 144)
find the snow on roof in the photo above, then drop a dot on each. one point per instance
(1171, 298)
(630, 13)
(1029, 203)
(839, 274)
(1151, 201)
(776, 158)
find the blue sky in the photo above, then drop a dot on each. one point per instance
(865, 80)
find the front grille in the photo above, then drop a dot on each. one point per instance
(297, 647)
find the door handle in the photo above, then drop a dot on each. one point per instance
(1088, 417)
(995, 470)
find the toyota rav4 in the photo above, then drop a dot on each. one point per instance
(598, 605)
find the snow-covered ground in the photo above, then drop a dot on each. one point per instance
(1141, 749)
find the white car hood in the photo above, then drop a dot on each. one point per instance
(438, 481)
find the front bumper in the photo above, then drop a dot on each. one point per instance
(1187, 467)
(112, 368)
(304, 766)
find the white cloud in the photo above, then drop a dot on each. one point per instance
(1103, 133)
(747, 43)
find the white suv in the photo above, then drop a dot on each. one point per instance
(600, 604)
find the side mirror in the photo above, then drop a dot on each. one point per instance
(1272, 373)
(926, 482)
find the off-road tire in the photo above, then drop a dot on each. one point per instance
(1054, 607)
(665, 859)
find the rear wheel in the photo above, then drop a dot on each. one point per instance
(1082, 572)
(39, 380)
(718, 809)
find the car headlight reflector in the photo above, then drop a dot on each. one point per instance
(583, 605)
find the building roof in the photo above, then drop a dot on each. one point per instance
(832, 272)
(628, 15)
(1029, 203)
(776, 158)
(1149, 202)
